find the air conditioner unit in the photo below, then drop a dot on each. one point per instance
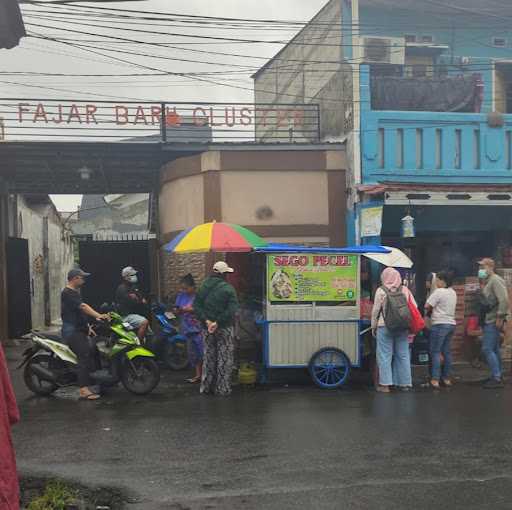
(384, 50)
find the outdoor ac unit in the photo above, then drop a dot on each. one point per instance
(384, 50)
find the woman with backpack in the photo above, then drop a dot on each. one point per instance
(390, 325)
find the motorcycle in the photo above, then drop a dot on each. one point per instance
(50, 364)
(169, 344)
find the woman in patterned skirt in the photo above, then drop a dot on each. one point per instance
(216, 305)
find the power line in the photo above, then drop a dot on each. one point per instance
(206, 37)
(312, 22)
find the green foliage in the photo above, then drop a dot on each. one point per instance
(57, 496)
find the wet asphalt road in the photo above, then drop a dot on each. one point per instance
(279, 448)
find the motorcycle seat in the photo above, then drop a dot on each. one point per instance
(55, 338)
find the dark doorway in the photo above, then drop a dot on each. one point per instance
(18, 288)
(105, 260)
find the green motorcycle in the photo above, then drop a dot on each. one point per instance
(120, 357)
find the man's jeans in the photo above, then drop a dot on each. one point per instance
(393, 358)
(440, 342)
(491, 349)
(68, 330)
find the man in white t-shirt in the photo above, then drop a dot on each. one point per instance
(441, 307)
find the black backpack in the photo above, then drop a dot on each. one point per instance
(397, 315)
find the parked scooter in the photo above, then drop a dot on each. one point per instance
(168, 343)
(51, 364)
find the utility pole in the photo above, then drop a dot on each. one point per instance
(4, 233)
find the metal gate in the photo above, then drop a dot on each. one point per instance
(18, 287)
(105, 260)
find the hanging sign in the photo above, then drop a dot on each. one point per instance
(312, 278)
(371, 221)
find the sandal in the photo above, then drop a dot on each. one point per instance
(447, 383)
(90, 396)
(434, 385)
(193, 380)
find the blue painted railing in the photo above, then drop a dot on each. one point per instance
(432, 147)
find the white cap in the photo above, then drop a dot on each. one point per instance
(128, 271)
(221, 267)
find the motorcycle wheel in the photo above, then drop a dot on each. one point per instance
(176, 356)
(33, 382)
(141, 375)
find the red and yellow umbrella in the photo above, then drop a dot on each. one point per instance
(215, 237)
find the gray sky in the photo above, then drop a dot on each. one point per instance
(47, 56)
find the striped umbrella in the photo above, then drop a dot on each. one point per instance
(215, 237)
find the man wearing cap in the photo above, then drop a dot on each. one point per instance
(216, 305)
(496, 306)
(75, 328)
(130, 302)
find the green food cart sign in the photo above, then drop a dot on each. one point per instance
(312, 277)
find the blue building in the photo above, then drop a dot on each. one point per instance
(421, 91)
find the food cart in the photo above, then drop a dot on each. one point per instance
(311, 310)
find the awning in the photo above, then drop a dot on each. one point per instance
(12, 28)
(395, 258)
(440, 194)
(356, 250)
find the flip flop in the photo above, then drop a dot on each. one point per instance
(193, 380)
(434, 386)
(91, 397)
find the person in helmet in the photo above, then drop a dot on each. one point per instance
(131, 303)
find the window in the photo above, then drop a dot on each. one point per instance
(418, 66)
(410, 38)
(419, 71)
(427, 39)
(499, 42)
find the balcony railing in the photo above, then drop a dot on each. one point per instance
(435, 147)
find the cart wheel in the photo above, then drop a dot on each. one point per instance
(329, 367)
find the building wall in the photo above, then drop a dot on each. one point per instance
(294, 197)
(471, 35)
(311, 69)
(177, 210)
(285, 196)
(469, 39)
(125, 216)
(30, 225)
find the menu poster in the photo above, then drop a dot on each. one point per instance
(312, 278)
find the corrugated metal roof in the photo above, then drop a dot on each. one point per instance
(12, 28)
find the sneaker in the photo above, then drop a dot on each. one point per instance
(493, 384)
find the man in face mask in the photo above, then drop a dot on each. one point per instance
(130, 302)
(496, 306)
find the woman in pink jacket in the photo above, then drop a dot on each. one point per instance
(9, 415)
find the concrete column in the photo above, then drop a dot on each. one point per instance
(4, 233)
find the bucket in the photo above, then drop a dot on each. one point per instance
(247, 374)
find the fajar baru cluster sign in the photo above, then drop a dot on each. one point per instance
(154, 115)
(312, 278)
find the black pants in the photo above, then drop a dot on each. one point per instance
(80, 345)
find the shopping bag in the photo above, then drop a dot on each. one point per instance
(417, 323)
